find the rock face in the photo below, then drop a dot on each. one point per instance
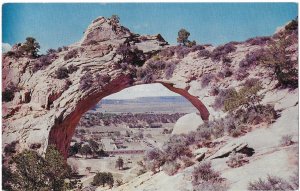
(47, 109)
(192, 119)
(108, 59)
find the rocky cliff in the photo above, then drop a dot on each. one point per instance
(54, 91)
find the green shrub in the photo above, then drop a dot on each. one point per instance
(277, 57)
(10, 148)
(62, 73)
(30, 47)
(131, 54)
(71, 54)
(33, 172)
(183, 36)
(246, 96)
(9, 92)
(293, 25)
(103, 178)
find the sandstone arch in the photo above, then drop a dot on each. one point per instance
(63, 130)
(47, 109)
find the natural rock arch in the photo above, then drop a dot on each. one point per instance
(47, 109)
(64, 128)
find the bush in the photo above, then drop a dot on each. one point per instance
(226, 60)
(30, 47)
(131, 54)
(119, 163)
(43, 61)
(171, 167)
(204, 54)
(10, 148)
(62, 73)
(293, 25)
(204, 173)
(246, 97)
(102, 178)
(119, 182)
(86, 81)
(195, 48)
(222, 51)
(271, 183)
(286, 140)
(278, 58)
(65, 48)
(51, 51)
(226, 72)
(9, 92)
(252, 58)
(259, 40)
(33, 172)
(221, 97)
(167, 52)
(154, 159)
(170, 67)
(71, 54)
(183, 36)
(256, 115)
(182, 51)
(187, 162)
(206, 79)
(72, 68)
(176, 147)
(85, 150)
(203, 133)
(236, 160)
(145, 74)
(241, 73)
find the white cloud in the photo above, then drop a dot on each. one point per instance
(6, 47)
(147, 90)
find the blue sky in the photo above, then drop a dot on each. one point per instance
(55, 25)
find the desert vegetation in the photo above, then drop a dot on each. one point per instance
(103, 178)
(275, 183)
(9, 92)
(30, 171)
(143, 119)
(204, 177)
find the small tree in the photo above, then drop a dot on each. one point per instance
(74, 149)
(115, 19)
(62, 73)
(9, 93)
(31, 47)
(56, 170)
(33, 172)
(94, 146)
(278, 58)
(85, 150)
(102, 178)
(120, 163)
(183, 36)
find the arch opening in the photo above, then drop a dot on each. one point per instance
(63, 130)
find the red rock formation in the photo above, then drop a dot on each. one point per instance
(193, 99)
(63, 130)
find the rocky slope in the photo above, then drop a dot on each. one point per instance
(108, 59)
